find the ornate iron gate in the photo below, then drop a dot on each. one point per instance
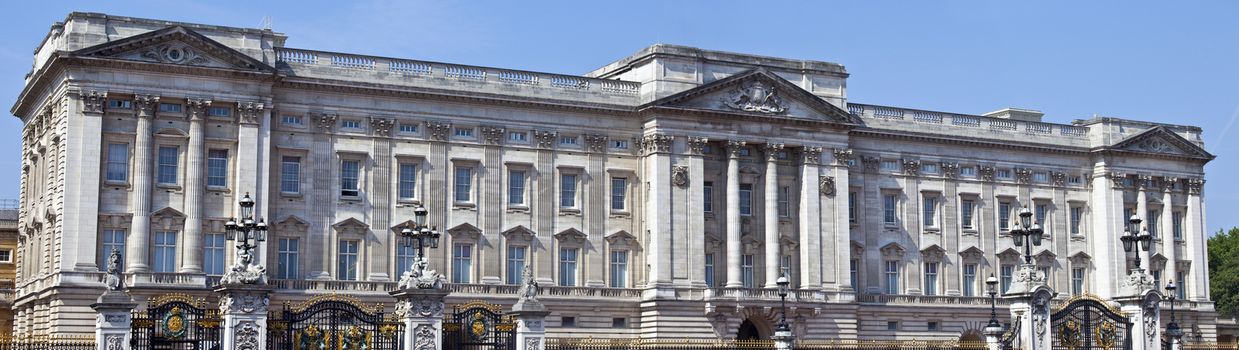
(178, 322)
(1088, 323)
(333, 322)
(478, 326)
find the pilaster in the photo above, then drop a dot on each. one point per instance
(489, 256)
(597, 208)
(1195, 240)
(322, 195)
(813, 188)
(656, 157)
(734, 246)
(81, 181)
(1144, 311)
(140, 199)
(381, 200)
(194, 174)
(771, 221)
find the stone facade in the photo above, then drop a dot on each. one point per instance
(660, 195)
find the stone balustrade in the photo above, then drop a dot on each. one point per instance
(309, 63)
(918, 120)
(926, 300)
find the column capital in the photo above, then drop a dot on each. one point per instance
(842, 155)
(381, 126)
(987, 172)
(1143, 182)
(196, 108)
(656, 143)
(438, 130)
(1195, 185)
(1117, 179)
(1023, 175)
(145, 105)
(93, 102)
(595, 142)
(950, 169)
(734, 147)
(247, 112)
(697, 145)
(911, 167)
(870, 163)
(544, 139)
(772, 151)
(1167, 183)
(812, 155)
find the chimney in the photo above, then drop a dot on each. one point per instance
(1028, 115)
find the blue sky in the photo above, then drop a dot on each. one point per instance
(1159, 61)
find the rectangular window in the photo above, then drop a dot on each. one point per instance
(567, 321)
(1004, 174)
(347, 258)
(784, 195)
(567, 190)
(968, 171)
(219, 112)
(464, 184)
(619, 193)
(707, 197)
(213, 253)
(1004, 216)
(350, 124)
(408, 181)
(462, 262)
(746, 199)
(854, 265)
(929, 168)
(965, 213)
(619, 144)
(930, 204)
(892, 277)
(217, 168)
(288, 255)
(516, 264)
(889, 204)
(1157, 278)
(852, 207)
(568, 140)
(1127, 213)
(118, 162)
(120, 104)
(1181, 282)
(709, 270)
(892, 325)
(6, 256)
(619, 322)
(1040, 211)
(746, 270)
(165, 252)
(889, 165)
(1075, 179)
(567, 266)
(1040, 177)
(405, 255)
(290, 174)
(1077, 281)
(518, 136)
(1077, 215)
(112, 240)
(350, 172)
(619, 269)
(1006, 273)
(931, 278)
(170, 108)
(291, 119)
(1177, 224)
(1153, 222)
(931, 325)
(516, 187)
(970, 280)
(168, 158)
(408, 128)
(464, 132)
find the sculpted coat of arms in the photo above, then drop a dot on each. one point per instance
(755, 96)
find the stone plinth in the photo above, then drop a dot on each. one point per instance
(113, 323)
(422, 312)
(530, 317)
(993, 338)
(783, 339)
(1144, 312)
(1030, 306)
(244, 309)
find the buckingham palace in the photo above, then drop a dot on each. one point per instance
(660, 195)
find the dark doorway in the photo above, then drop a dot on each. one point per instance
(748, 331)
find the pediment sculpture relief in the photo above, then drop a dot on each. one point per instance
(757, 97)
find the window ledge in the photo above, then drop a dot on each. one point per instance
(853, 224)
(218, 189)
(117, 184)
(570, 211)
(173, 187)
(518, 208)
(350, 198)
(291, 194)
(463, 205)
(970, 232)
(620, 214)
(406, 202)
(1077, 237)
(933, 230)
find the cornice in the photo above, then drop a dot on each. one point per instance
(963, 140)
(326, 85)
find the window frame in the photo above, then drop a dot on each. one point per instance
(288, 260)
(512, 188)
(890, 209)
(783, 199)
(222, 250)
(615, 277)
(357, 180)
(161, 166)
(462, 274)
(622, 194)
(284, 172)
(340, 259)
(515, 275)
(413, 179)
(212, 161)
(164, 253)
(123, 164)
(746, 199)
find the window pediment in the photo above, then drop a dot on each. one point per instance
(858, 249)
(933, 253)
(292, 224)
(351, 226)
(622, 238)
(465, 232)
(892, 250)
(167, 218)
(972, 254)
(571, 236)
(519, 234)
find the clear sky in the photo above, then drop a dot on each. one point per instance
(1162, 61)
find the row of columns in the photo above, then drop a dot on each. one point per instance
(1165, 228)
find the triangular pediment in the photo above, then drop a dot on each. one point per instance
(757, 92)
(570, 235)
(351, 226)
(519, 233)
(622, 238)
(465, 231)
(292, 223)
(1161, 141)
(174, 45)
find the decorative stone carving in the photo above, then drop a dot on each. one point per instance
(1194, 185)
(656, 143)
(1167, 184)
(115, 342)
(1023, 175)
(247, 304)
(245, 270)
(145, 104)
(420, 306)
(94, 102)
(772, 151)
(438, 130)
(175, 53)
(812, 155)
(987, 173)
(595, 142)
(870, 163)
(247, 336)
(1058, 178)
(424, 337)
(420, 276)
(529, 287)
(679, 176)
(755, 96)
(950, 170)
(115, 281)
(401, 310)
(1136, 283)
(196, 108)
(544, 139)
(247, 112)
(697, 145)
(1117, 180)
(734, 147)
(325, 121)
(1151, 306)
(826, 185)
(381, 126)
(1144, 182)
(493, 135)
(842, 156)
(911, 167)
(1156, 145)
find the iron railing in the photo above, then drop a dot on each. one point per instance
(732, 344)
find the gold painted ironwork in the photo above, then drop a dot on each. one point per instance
(174, 323)
(1069, 335)
(1087, 296)
(306, 304)
(1106, 335)
(164, 299)
(451, 327)
(482, 304)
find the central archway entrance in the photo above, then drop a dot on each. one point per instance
(748, 331)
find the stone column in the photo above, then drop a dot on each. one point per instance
(811, 220)
(192, 249)
(244, 309)
(140, 231)
(733, 214)
(1106, 211)
(772, 214)
(1143, 310)
(530, 324)
(1142, 211)
(658, 209)
(252, 152)
(381, 201)
(113, 322)
(1194, 237)
(320, 162)
(1169, 242)
(421, 309)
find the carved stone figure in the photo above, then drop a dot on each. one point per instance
(437, 130)
(247, 336)
(175, 54)
(94, 102)
(114, 280)
(529, 290)
(244, 270)
(826, 185)
(755, 96)
(420, 276)
(697, 145)
(679, 176)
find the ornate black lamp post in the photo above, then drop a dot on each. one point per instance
(420, 236)
(247, 233)
(783, 283)
(1172, 328)
(1136, 239)
(1026, 233)
(991, 284)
